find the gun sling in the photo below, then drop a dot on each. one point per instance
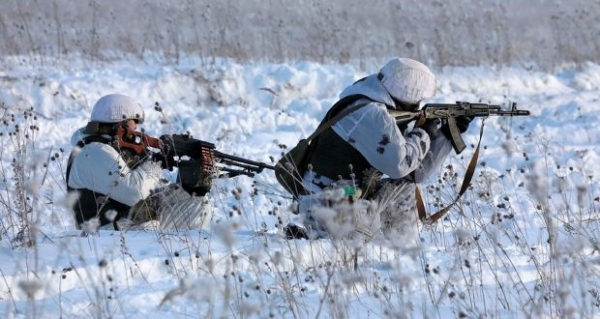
(463, 188)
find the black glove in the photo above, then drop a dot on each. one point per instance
(462, 123)
(431, 127)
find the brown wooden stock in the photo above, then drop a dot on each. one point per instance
(136, 141)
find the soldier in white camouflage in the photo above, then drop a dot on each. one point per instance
(117, 187)
(367, 152)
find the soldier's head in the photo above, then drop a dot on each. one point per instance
(407, 81)
(114, 109)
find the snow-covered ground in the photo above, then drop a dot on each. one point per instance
(522, 242)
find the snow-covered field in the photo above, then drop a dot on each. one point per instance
(522, 242)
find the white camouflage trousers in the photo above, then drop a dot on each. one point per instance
(391, 209)
(171, 208)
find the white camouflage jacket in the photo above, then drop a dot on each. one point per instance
(100, 168)
(365, 127)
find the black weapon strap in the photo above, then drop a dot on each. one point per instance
(328, 122)
(463, 188)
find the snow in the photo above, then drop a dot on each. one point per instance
(522, 242)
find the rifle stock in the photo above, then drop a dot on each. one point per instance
(448, 113)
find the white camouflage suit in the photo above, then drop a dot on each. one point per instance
(100, 168)
(393, 206)
(116, 187)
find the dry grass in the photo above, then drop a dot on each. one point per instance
(521, 243)
(438, 33)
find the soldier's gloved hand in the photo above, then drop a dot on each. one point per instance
(462, 123)
(431, 127)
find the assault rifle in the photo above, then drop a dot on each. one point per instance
(448, 113)
(182, 148)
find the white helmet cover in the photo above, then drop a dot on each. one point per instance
(408, 80)
(114, 108)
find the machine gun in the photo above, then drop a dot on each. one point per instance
(183, 150)
(197, 161)
(449, 112)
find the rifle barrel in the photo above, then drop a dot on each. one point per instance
(235, 160)
(511, 113)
